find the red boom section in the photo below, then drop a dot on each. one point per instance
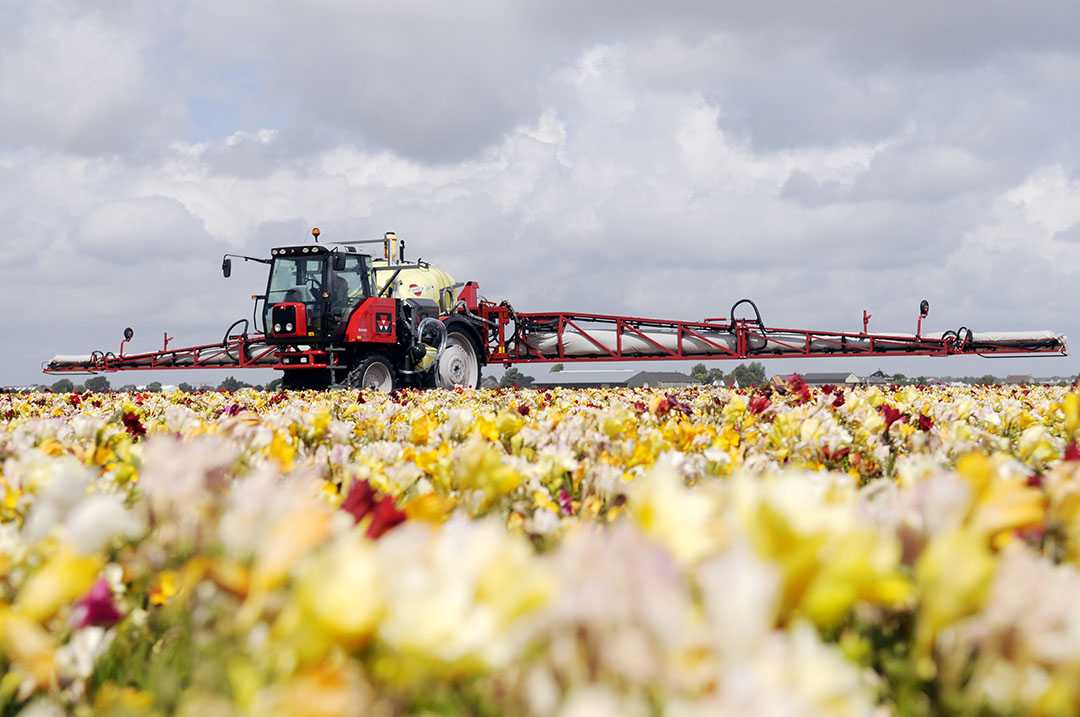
(511, 337)
(235, 352)
(571, 337)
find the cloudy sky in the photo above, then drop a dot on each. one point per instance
(654, 159)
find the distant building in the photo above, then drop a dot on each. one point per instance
(615, 378)
(821, 379)
(1019, 379)
(878, 378)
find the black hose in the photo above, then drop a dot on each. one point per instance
(757, 320)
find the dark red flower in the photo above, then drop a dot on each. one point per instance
(1072, 452)
(96, 607)
(565, 503)
(670, 403)
(363, 501)
(133, 425)
(523, 410)
(839, 400)
(384, 517)
(925, 422)
(827, 389)
(758, 404)
(891, 415)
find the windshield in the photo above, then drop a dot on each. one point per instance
(295, 279)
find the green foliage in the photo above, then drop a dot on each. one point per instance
(97, 383)
(752, 375)
(513, 377)
(64, 385)
(557, 368)
(154, 386)
(699, 373)
(186, 387)
(233, 384)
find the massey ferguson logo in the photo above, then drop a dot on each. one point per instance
(383, 323)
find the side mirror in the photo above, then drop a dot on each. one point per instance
(338, 262)
(226, 267)
(128, 333)
(924, 309)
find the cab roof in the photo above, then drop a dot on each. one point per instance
(309, 249)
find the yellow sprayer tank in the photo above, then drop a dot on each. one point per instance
(430, 283)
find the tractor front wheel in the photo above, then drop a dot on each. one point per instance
(374, 371)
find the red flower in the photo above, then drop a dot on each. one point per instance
(839, 400)
(1072, 452)
(363, 501)
(670, 403)
(523, 410)
(925, 422)
(891, 415)
(758, 404)
(565, 504)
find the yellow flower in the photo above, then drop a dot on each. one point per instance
(282, 451)
(164, 588)
(953, 575)
(479, 466)
(65, 576)
(420, 430)
(27, 645)
(1071, 408)
(340, 590)
(686, 521)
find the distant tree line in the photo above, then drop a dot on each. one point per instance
(752, 374)
(101, 383)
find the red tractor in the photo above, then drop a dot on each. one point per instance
(339, 316)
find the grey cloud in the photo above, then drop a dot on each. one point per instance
(134, 231)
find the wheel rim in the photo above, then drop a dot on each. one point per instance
(377, 376)
(458, 365)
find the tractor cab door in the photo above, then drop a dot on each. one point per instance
(348, 285)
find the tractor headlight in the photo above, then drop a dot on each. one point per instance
(277, 328)
(288, 327)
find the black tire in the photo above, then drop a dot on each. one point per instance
(303, 379)
(460, 362)
(374, 371)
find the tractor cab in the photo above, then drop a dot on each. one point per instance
(312, 290)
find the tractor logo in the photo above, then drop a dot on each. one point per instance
(383, 323)
(416, 289)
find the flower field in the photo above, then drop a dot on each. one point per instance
(851, 551)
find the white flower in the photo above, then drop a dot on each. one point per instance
(99, 518)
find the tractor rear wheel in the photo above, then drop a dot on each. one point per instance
(459, 364)
(374, 371)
